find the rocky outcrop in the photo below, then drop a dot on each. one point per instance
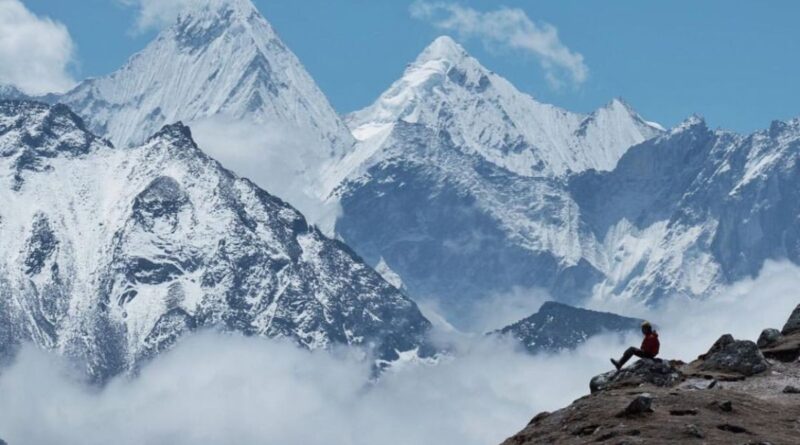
(732, 357)
(793, 324)
(660, 402)
(785, 349)
(656, 372)
(785, 346)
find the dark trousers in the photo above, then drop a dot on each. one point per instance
(630, 352)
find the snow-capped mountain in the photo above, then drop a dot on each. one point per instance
(446, 89)
(694, 209)
(110, 254)
(221, 58)
(459, 182)
(557, 326)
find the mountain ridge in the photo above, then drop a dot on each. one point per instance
(123, 251)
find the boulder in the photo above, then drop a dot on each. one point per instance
(638, 406)
(732, 356)
(786, 349)
(768, 337)
(793, 324)
(791, 390)
(653, 371)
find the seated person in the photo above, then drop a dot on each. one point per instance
(649, 349)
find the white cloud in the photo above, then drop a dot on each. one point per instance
(227, 389)
(511, 28)
(281, 160)
(35, 52)
(157, 14)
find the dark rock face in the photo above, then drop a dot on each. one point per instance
(734, 356)
(558, 326)
(793, 324)
(768, 337)
(656, 372)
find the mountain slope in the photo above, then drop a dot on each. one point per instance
(115, 253)
(459, 183)
(557, 326)
(695, 209)
(221, 57)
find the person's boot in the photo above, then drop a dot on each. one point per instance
(616, 364)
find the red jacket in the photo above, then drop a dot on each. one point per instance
(650, 344)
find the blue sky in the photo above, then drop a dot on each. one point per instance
(735, 62)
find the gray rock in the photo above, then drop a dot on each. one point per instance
(693, 431)
(642, 404)
(768, 337)
(791, 390)
(726, 406)
(656, 372)
(734, 356)
(793, 324)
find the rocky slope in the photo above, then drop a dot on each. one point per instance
(735, 393)
(557, 326)
(112, 254)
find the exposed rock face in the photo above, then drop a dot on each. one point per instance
(793, 324)
(733, 356)
(557, 326)
(656, 372)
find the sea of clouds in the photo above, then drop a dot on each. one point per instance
(226, 389)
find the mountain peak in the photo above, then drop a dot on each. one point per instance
(691, 122)
(443, 48)
(239, 8)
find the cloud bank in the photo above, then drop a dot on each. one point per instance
(215, 388)
(511, 28)
(35, 52)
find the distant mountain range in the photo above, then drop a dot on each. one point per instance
(456, 186)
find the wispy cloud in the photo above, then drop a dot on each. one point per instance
(156, 14)
(35, 52)
(511, 28)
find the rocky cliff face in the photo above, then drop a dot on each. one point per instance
(113, 254)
